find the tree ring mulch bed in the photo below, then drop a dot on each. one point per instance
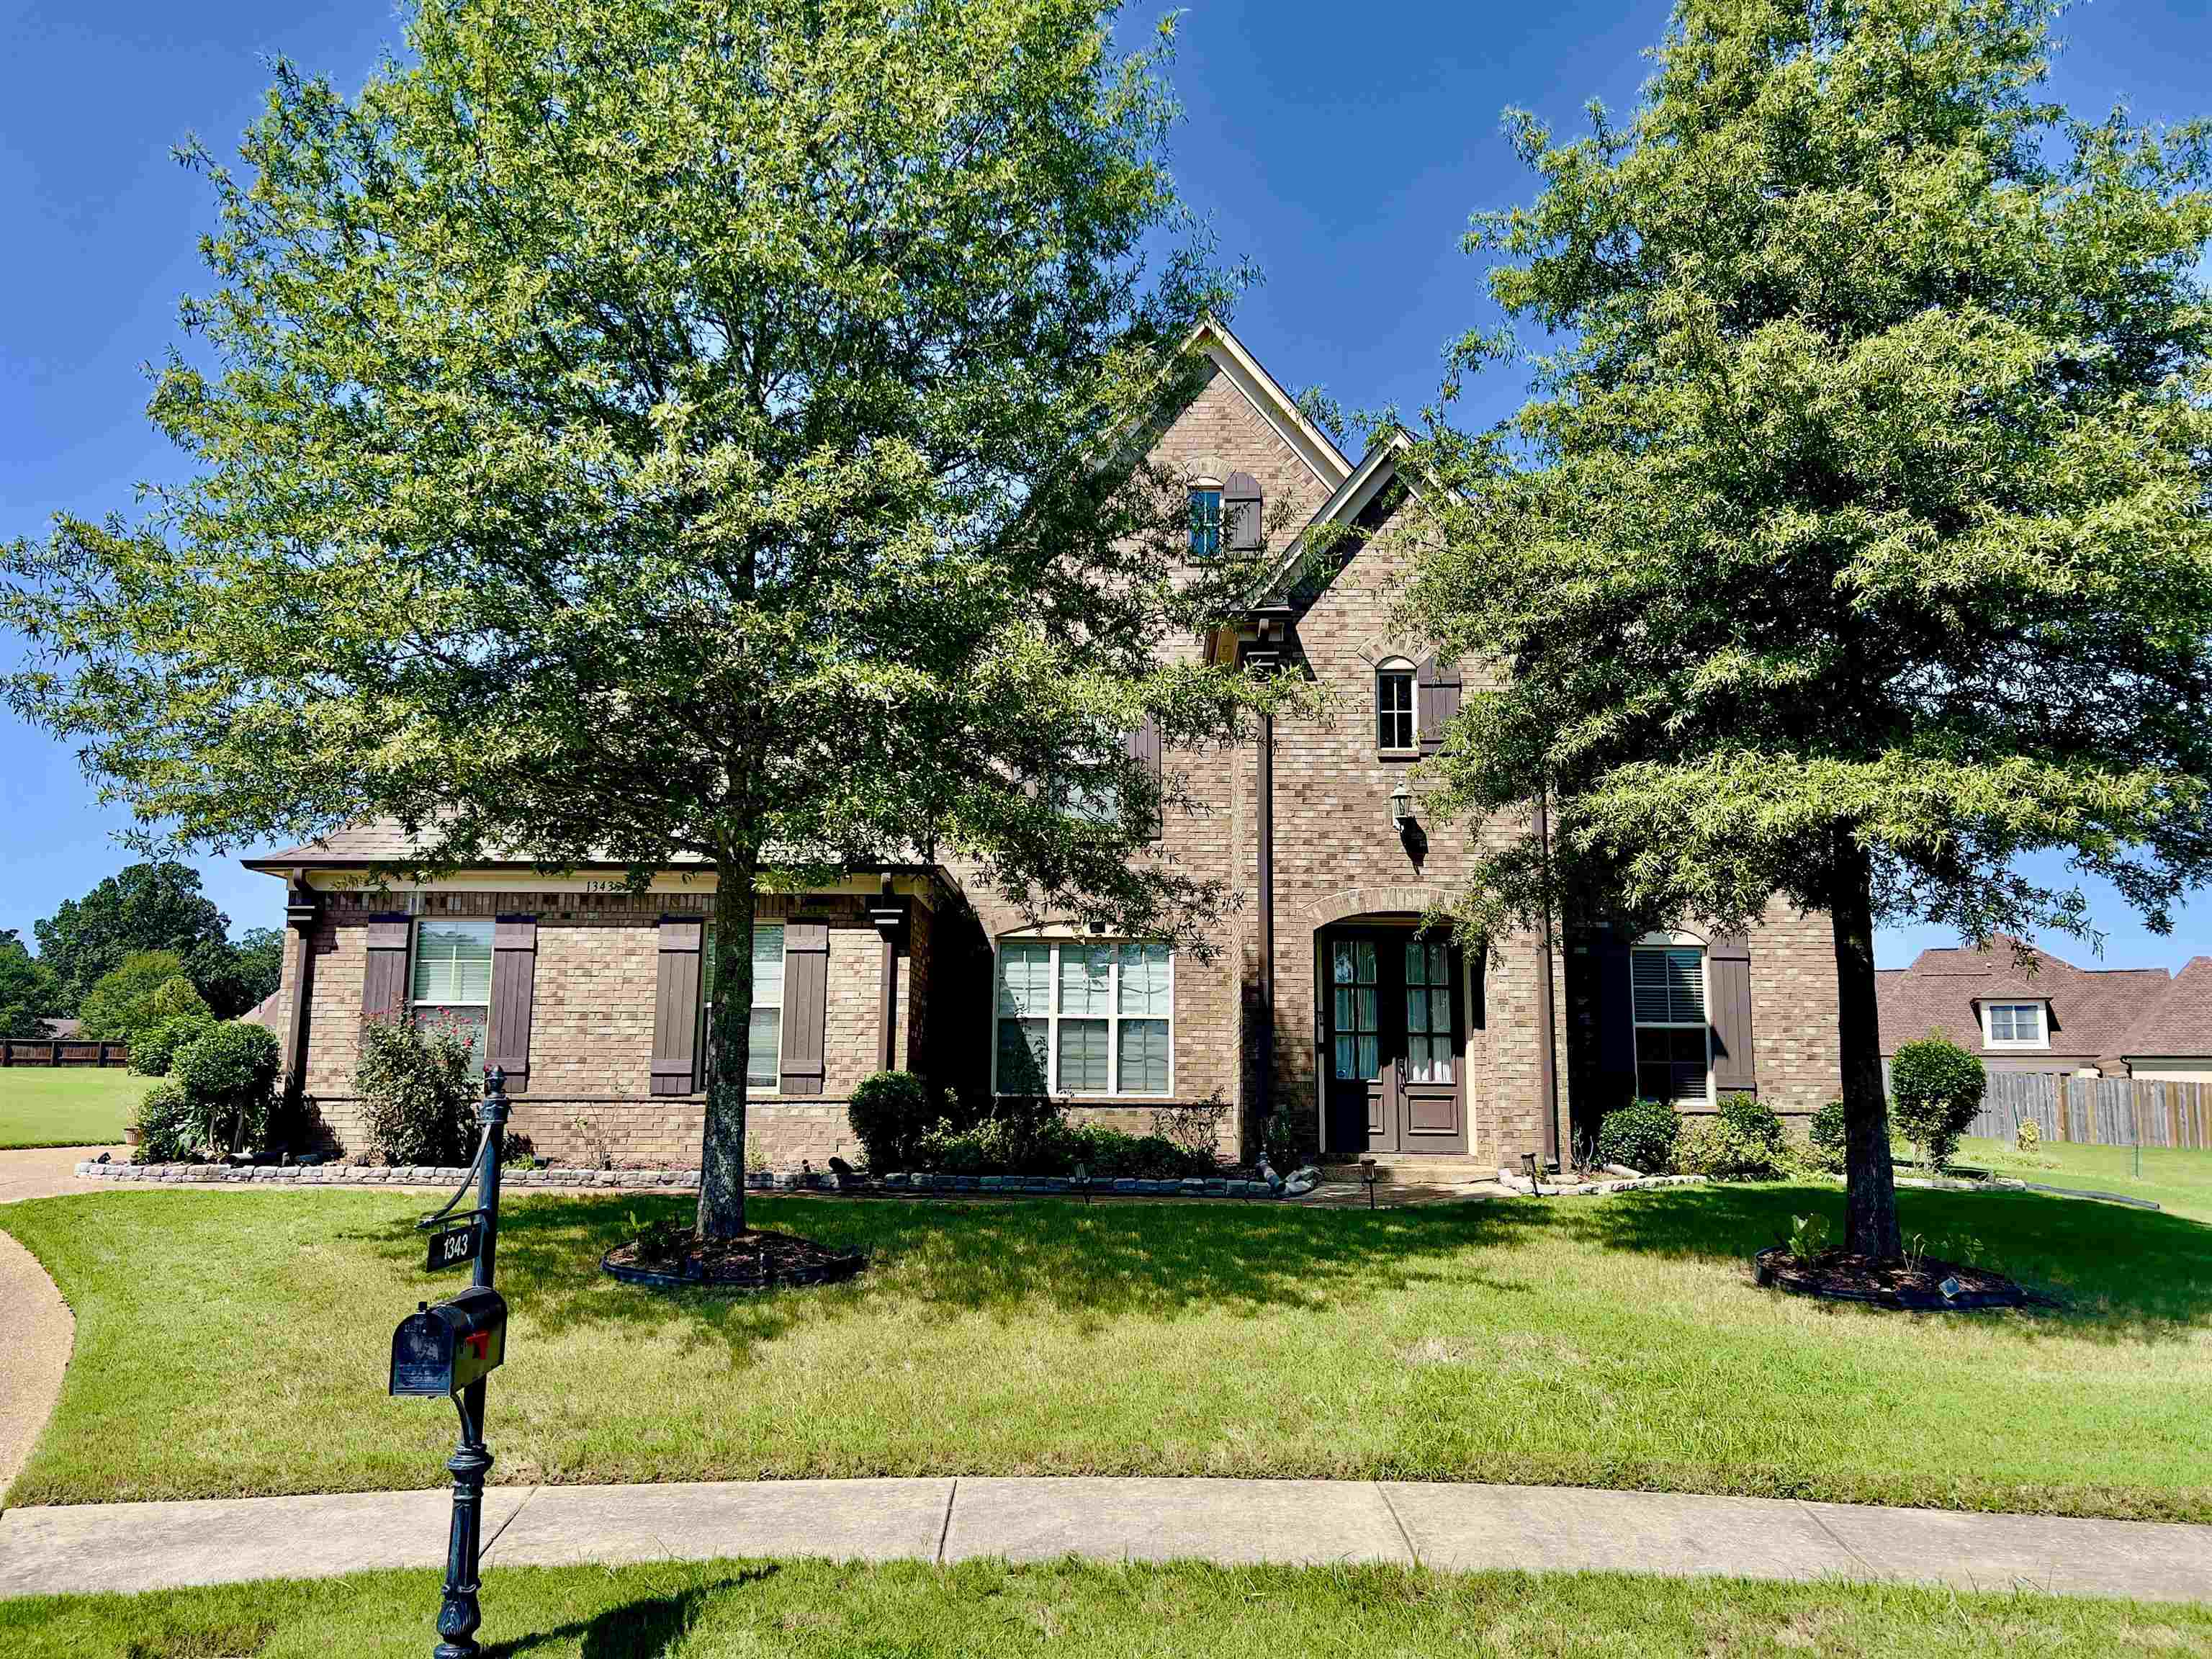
(1843, 1276)
(755, 1260)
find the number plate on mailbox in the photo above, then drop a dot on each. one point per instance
(455, 1246)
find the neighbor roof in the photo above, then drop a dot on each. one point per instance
(2178, 1023)
(2090, 1008)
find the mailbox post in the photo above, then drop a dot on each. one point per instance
(450, 1349)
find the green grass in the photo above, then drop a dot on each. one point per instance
(2178, 1179)
(67, 1105)
(1076, 1612)
(237, 1342)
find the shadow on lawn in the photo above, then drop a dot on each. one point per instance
(646, 1628)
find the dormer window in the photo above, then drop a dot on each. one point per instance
(2014, 1025)
(1205, 520)
(1396, 732)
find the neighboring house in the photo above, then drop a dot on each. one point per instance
(2109, 1022)
(61, 1030)
(1321, 1001)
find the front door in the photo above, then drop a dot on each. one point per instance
(1393, 1042)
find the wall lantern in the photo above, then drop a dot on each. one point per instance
(1402, 808)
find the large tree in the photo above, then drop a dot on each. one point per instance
(154, 906)
(1855, 541)
(29, 992)
(655, 430)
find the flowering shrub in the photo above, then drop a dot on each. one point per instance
(418, 1090)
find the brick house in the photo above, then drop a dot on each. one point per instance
(1322, 1000)
(2107, 1022)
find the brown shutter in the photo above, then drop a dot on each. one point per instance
(805, 1005)
(384, 981)
(1435, 700)
(1145, 750)
(514, 979)
(1727, 985)
(675, 1007)
(1616, 1021)
(1241, 518)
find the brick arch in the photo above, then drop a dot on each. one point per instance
(1346, 902)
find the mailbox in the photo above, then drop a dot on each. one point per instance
(441, 1350)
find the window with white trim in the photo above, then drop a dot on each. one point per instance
(1673, 1041)
(1204, 520)
(2014, 1025)
(1395, 731)
(450, 982)
(1084, 1017)
(764, 1040)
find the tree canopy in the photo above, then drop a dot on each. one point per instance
(1855, 541)
(637, 431)
(30, 995)
(155, 906)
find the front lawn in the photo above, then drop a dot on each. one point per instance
(67, 1105)
(237, 1342)
(1079, 1612)
(2177, 1178)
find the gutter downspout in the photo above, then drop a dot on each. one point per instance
(302, 911)
(1548, 1062)
(1265, 657)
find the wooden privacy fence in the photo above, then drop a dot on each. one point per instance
(42, 1051)
(2100, 1111)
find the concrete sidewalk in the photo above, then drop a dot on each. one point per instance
(130, 1547)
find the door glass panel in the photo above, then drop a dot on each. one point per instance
(1346, 1060)
(1341, 960)
(1370, 1058)
(1417, 1010)
(1364, 952)
(1356, 1053)
(1429, 1055)
(1345, 1019)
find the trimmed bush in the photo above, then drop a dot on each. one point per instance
(1641, 1135)
(1935, 1090)
(1029, 1135)
(154, 1050)
(166, 1124)
(418, 1091)
(228, 1073)
(890, 1113)
(1824, 1139)
(1743, 1141)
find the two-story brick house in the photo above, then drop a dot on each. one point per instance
(1322, 1001)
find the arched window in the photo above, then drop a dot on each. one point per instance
(1205, 517)
(1395, 730)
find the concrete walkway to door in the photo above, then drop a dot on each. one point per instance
(129, 1547)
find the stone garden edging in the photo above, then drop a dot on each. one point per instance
(554, 1179)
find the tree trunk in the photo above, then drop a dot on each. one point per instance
(1871, 1186)
(722, 1148)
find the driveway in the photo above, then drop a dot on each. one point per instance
(48, 1171)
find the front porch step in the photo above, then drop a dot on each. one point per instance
(1416, 1168)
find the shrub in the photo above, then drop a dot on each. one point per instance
(154, 1050)
(146, 988)
(228, 1073)
(890, 1113)
(1824, 1139)
(1808, 1235)
(418, 1091)
(166, 1123)
(1641, 1135)
(2026, 1138)
(1936, 1087)
(1741, 1142)
(1030, 1136)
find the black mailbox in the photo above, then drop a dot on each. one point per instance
(441, 1350)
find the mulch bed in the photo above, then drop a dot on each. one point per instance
(1844, 1276)
(755, 1260)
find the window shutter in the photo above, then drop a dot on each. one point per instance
(1728, 970)
(1435, 700)
(675, 1007)
(514, 979)
(805, 1005)
(384, 981)
(1243, 521)
(1145, 750)
(1616, 1022)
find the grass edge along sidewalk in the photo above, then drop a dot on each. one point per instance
(1090, 1612)
(225, 1347)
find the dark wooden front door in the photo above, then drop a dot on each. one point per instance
(1393, 1042)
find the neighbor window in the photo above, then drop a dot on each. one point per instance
(1673, 1059)
(451, 983)
(2020, 1023)
(764, 1044)
(1394, 706)
(1204, 521)
(1085, 1016)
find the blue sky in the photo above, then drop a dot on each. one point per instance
(1341, 149)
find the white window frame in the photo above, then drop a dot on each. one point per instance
(1218, 527)
(1675, 942)
(1991, 1040)
(703, 1040)
(416, 1008)
(1394, 666)
(1114, 1016)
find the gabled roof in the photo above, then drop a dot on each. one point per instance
(1350, 499)
(2090, 1008)
(1271, 402)
(2178, 1023)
